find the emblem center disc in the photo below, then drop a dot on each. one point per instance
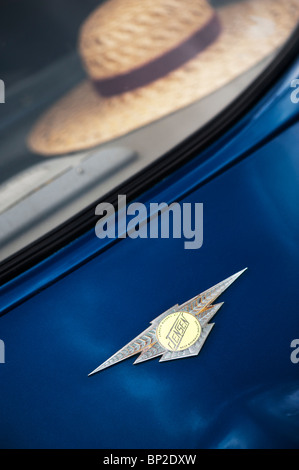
(178, 331)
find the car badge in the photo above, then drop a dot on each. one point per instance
(180, 331)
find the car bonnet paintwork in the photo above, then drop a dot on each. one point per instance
(69, 314)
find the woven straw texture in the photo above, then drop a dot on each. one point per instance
(123, 35)
(83, 119)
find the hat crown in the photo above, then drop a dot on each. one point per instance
(124, 34)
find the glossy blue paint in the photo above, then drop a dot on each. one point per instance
(242, 390)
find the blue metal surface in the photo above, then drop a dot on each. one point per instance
(242, 390)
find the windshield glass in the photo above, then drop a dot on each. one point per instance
(93, 92)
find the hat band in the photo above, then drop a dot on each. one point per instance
(168, 62)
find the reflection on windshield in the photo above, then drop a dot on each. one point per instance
(143, 77)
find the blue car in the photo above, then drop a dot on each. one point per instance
(149, 225)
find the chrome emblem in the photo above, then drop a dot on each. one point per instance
(179, 332)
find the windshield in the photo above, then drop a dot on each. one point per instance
(93, 92)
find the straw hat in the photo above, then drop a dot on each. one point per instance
(146, 59)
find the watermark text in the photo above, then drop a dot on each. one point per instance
(2, 352)
(2, 92)
(295, 93)
(157, 220)
(295, 352)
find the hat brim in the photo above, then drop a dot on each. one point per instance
(251, 30)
